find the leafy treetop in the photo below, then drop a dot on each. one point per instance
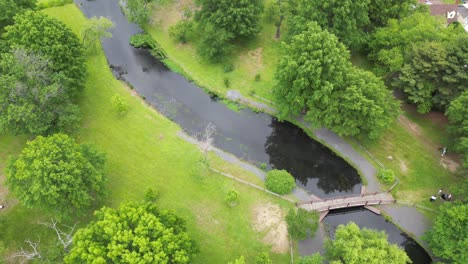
(57, 175)
(133, 233)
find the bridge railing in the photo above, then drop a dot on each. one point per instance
(354, 204)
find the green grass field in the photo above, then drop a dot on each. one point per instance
(415, 162)
(143, 150)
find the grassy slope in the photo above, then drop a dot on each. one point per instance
(424, 174)
(143, 150)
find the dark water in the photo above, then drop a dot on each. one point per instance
(256, 137)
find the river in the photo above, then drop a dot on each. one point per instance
(255, 137)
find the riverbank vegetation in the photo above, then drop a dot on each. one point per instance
(143, 150)
(410, 145)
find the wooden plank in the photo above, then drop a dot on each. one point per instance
(322, 215)
(314, 198)
(363, 189)
(372, 209)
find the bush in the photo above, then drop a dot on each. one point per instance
(151, 194)
(180, 30)
(280, 181)
(301, 223)
(228, 67)
(227, 83)
(257, 77)
(119, 104)
(145, 41)
(263, 258)
(386, 176)
(232, 198)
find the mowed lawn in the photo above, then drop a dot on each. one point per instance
(143, 151)
(415, 161)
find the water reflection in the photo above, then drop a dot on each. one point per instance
(312, 164)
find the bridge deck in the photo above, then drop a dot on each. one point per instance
(349, 201)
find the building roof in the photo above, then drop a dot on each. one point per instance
(449, 11)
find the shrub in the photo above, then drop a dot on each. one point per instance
(257, 77)
(387, 176)
(119, 104)
(145, 41)
(52, 3)
(228, 67)
(227, 83)
(151, 194)
(232, 198)
(263, 258)
(280, 181)
(302, 222)
(180, 30)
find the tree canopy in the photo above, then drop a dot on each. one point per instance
(381, 11)
(448, 237)
(96, 28)
(241, 18)
(57, 175)
(222, 21)
(347, 19)
(354, 246)
(133, 233)
(315, 77)
(10, 8)
(33, 99)
(457, 114)
(54, 41)
(138, 11)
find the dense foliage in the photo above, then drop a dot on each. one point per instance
(280, 181)
(448, 237)
(386, 176)
(57, 175)
(9, 8)
(133, 233)
(301, 223)
(315, 78)
(354, 246)
(263, 258)
(424, 58)
(347, 19)
(53, 40)
(34, 99)
(144, 40)
(381, 11)
(138, 11)
(222, 21)
(457, 114)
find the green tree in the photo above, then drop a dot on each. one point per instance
(389, 45)
(312, 67)
(10, 8)
(119, 104)
(354, 246)
(53, 40)
(364, 107)
(381, 11)
(138, 11)
(57, 175)
(240, 18)
(280, 181)
(180, 30)
(133, 233)
(94, 29)
(232, 198)
(215, 44)
(301, 223)
(457, 114)
(33, 98)
(448, 237)
(347, 19)
(312, 259)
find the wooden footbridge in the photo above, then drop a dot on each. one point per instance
(323, 206)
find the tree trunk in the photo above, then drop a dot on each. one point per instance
(278, 29)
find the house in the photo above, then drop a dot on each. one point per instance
(449, 11)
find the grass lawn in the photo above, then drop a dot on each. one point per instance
(416, 162)
(143, 150)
